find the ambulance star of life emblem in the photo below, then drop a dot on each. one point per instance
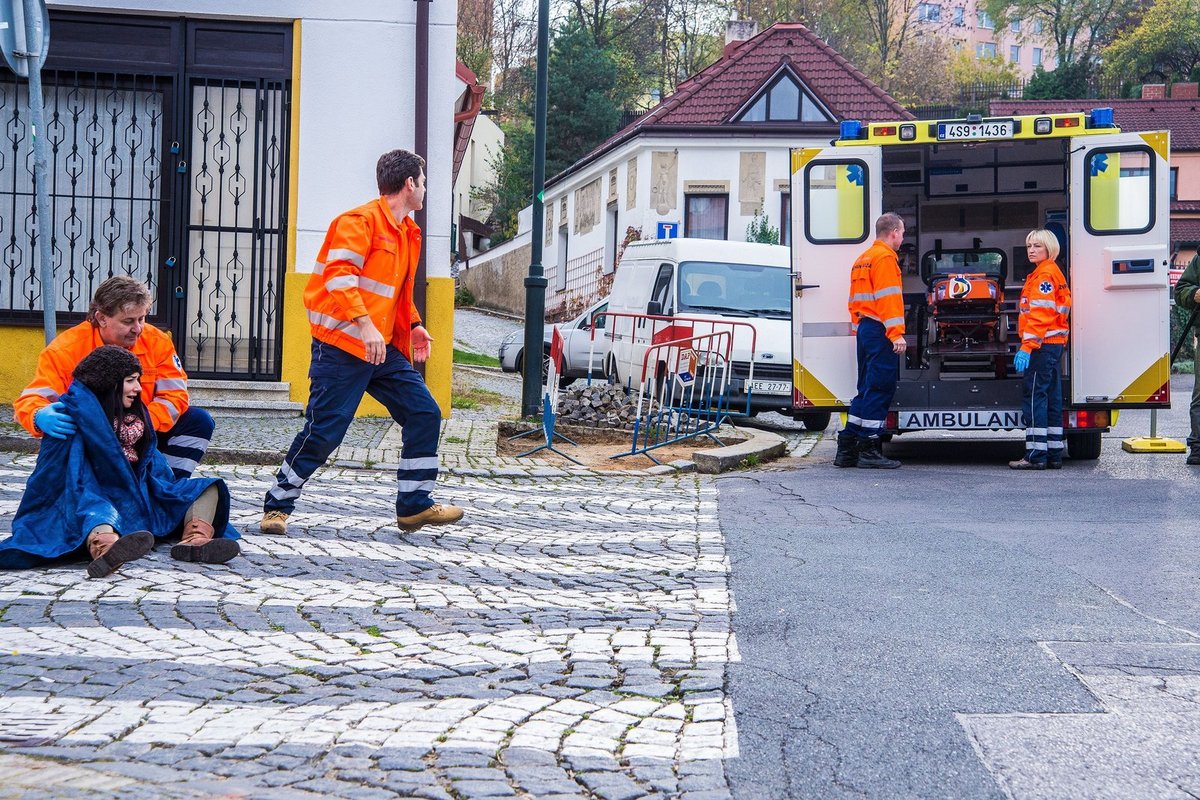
(1045, 287)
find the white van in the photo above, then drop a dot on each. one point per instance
(713, 280)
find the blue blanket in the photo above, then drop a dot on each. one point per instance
(85, 480)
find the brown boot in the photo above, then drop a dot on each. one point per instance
(198, 544)
(110, 550)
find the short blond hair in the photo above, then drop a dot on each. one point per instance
(1046, 239)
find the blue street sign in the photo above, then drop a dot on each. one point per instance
(24, 40)
(668, 230)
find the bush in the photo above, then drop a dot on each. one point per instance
(1067, 82)
(463, 297)
(760, 230)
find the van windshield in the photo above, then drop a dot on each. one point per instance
(750, 290)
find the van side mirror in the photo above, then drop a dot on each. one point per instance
(654, 308)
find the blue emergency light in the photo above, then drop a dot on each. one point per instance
(1101, 118)
(851, 129)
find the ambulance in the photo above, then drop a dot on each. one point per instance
(969, 190)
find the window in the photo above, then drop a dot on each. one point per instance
(610, 242)
(835, 207)
(1014, 53)
(929, 12)
(1174, 179)
(785, 100)
(960, 15)
(1038, 25)
(785, 217)
(1037, 56)
(661, 293)
(984, 21)
(560, 273)
(985, 50)
(1015, 26)
(958, 45)
(1118, 192)
(706, 216)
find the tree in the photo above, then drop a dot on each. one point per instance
(475, 36)
(922, 77)
(512, 188)
(1166, 41)
(1079, 28)
(967, 71)
(1065, 82)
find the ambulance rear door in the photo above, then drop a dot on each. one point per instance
(1119, 245)
(836, 198)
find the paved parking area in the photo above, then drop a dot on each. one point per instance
(569, 640)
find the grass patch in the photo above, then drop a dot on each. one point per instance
(471, 397)
(455, 440)
(474, 359)
(374, 631)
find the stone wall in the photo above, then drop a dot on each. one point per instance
(499, 284)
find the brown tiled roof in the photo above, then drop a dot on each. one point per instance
(710, 98)
(1180, 117)
(1185, 206)
(465, 112)
(1185, 230)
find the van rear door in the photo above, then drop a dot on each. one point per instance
(1119, 235)
(836, 198)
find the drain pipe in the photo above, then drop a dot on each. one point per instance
(421, 144)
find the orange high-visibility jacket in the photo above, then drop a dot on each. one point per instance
(367, 265)
(164, 383)
(1044, 308)
(876, 290)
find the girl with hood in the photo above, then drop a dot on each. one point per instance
(106, 492)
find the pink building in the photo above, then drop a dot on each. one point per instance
(968, 27)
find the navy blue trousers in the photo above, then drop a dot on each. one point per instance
(185, 444)
(878, 373)
(1042, 410)
(338, 381)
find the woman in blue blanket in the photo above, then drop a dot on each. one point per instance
(106, 492)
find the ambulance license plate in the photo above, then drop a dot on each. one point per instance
(770, 387)
(954, 419)
(959, 131)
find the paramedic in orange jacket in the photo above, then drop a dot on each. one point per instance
(1042, 324)
(877, 317)
(367, 334)
(117, 316)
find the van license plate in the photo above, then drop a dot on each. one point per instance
(770, 387)
(951, 419)
(957, 131)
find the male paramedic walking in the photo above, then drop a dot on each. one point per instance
(877, 316)
(366, 335)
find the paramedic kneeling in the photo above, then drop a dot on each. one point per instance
(877, 317)
(118, 317)
(1042, 315)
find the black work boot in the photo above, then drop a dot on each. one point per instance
(847, 452)
(870, 455)
(1194, 456)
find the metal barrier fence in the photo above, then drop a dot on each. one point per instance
(683, 393)
(630, 338)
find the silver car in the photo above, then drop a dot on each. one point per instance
(577, 342)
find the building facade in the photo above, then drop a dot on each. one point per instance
(967, 26)
(203, 147)
(707, 162)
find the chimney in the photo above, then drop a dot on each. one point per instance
(738, 31)
(1184, 91)
(1154, 91)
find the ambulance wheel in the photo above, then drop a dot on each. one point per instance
(1083, 445)
(814, 420)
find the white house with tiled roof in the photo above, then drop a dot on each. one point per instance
(699, 164)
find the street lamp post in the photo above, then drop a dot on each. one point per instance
(535, 283)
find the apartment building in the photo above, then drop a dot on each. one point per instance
(1025, 43)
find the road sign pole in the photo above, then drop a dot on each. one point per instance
(34, 37)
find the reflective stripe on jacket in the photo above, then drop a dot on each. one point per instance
(1044, 308)
(164, 383)
(366, 266)
(876, 290)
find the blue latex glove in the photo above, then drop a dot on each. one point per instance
(54, 421)
(1021, 361)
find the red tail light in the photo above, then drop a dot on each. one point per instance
(1086, 418)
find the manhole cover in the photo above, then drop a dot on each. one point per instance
(29, 731)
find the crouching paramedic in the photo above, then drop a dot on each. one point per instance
(877, 317)
(117, 316)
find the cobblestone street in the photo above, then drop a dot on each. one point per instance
(570, 639)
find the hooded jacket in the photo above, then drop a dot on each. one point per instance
(85, 480)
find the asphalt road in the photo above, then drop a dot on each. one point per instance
(954, 629)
